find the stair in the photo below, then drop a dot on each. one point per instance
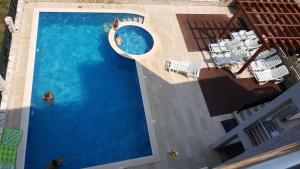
(257, 133)
(141, 20)
(245, 114)
(238, 117)
(137, 19)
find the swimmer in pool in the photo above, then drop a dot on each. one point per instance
(116, 23)
(49, 98)
(118, 40)
(56, 164)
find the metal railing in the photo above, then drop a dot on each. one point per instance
(257, 133)
(294, 76)
(7, 39)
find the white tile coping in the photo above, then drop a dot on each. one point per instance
(111, 39)
(28, 90)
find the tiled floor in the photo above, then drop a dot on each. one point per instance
(177, 103)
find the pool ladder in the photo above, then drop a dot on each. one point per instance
(134, 19)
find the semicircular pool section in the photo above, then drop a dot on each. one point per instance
(135, 40)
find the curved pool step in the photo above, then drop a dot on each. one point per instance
(141, 20)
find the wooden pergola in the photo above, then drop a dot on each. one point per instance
(275, 22)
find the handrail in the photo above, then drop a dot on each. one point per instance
(292, 67)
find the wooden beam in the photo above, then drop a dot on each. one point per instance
(262, 48)
(289, 19)
(277, 31)
(264, 2)
(290, 38)
(229, 23)
(270, 13)
(280, 25)
(251, 21)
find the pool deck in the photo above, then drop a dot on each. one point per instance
(182, 119)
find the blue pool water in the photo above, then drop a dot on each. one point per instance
(98, 116)
(136, 40)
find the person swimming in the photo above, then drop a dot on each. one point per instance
(56, 164)
(118, 40)
(49, 97)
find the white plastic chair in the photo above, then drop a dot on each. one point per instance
(275, 74)
(192, 70)
(262, 64)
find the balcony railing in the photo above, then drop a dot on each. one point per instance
(258, 133)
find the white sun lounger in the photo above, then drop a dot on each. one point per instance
(251, 44)
(225, 45)
(223, 59)
(262, 64)
(265, 54)
(233, 45)
(229, 58)
(192, 70)
(275, 74)
(243, 35)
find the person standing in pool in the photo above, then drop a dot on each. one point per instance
(116, 23)
(118, 40)
(49, 98)
(56, 164)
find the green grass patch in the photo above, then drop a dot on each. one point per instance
(4, 5)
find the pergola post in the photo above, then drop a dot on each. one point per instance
(229, 23)
(262, 48)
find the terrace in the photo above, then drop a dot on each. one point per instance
(203, 29)
(186, 113)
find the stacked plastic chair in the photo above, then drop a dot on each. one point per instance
(9, 148)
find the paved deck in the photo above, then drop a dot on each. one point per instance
(225, 94)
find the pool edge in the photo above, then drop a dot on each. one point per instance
(111, 39)
(28, 91)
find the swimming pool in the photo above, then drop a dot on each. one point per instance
(136, 40)
(98, 116)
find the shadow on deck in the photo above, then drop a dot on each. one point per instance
(224, 94)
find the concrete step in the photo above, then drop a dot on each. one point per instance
(141, 20)
(245, 114)
(238, 117)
